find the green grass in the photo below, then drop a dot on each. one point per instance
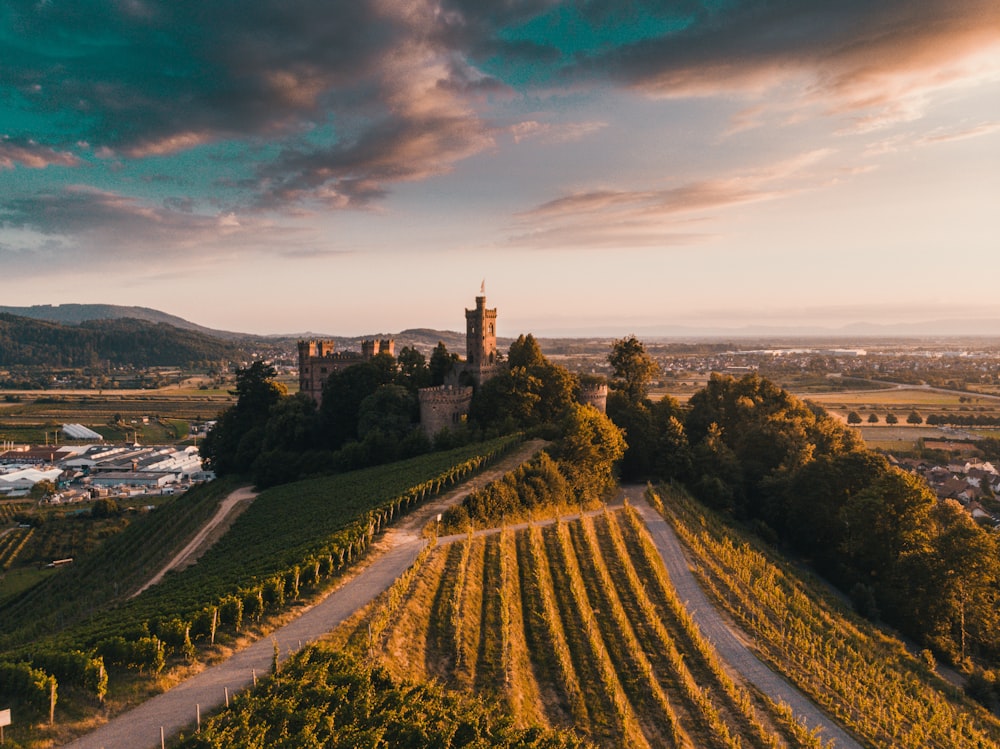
(20, 579)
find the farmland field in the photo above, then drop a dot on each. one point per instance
(569, 625)
(152, 416)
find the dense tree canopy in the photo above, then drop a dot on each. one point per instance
(875, 530)
(529, 392)
(634, 369)
(37, 343)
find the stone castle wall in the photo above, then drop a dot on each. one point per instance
(596, 396)
(319, 359)
(443, 407)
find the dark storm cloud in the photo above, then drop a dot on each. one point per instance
(157, 76)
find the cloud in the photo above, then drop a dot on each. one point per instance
(554, 132)
(97, 229)
(664, 216)
(874, 61)
(908, 141)
(945, 135)
(325, 104)
(158, 77)
(31, 155)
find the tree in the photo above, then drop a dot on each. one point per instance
(530, 392)
(525, 352)
(391, 410)
(442, 363)
(413, 372)
(885, 522)
(891, 418)
(960, 579)
(588, 451)
(634, 369)
(42, 489)
(343, 393)
(234, 443)
(853, 418)
(914, 418)
(873, 418)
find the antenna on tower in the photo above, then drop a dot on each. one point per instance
(482, 287)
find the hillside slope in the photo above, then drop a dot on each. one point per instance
(123, 342)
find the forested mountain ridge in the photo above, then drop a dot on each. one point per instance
(75, 314)
(29, 342)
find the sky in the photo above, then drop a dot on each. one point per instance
(612, 166)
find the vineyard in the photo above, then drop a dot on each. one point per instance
(9, 509)
(863, 677)
(292, 541)
(323, 698)
(12, 542)
(569, 625)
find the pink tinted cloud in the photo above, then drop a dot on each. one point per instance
(663, 216)
(874, 61)
(31, 155)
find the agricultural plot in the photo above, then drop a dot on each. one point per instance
(10, 508)
(863, 677)
(154, 416)
(12, 542)
(571, 625)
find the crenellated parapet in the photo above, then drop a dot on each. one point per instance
(319, 359)
(443, 407)
(595, 394)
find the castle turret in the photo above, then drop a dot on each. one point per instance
(480, 341)
(443, 407)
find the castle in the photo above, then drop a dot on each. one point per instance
(319, 359)
(442, 407)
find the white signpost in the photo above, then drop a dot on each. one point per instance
(4, 721)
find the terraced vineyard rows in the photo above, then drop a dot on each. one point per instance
(865, 678)
(8, 509)
(574, 624)
(11, 544)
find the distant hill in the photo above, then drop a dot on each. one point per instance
(75, 314)
(30, 342)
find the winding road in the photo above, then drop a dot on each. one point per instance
(717, 631)
(177, 708)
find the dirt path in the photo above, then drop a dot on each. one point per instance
(229, 509)
(176, 709)
(717, 631)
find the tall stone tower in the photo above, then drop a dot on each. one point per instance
(481, 340)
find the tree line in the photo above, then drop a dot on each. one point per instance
(802, 480)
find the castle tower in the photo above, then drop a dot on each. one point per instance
(480, 341)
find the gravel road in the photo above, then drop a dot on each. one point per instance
(176, 709)
(717, 631)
